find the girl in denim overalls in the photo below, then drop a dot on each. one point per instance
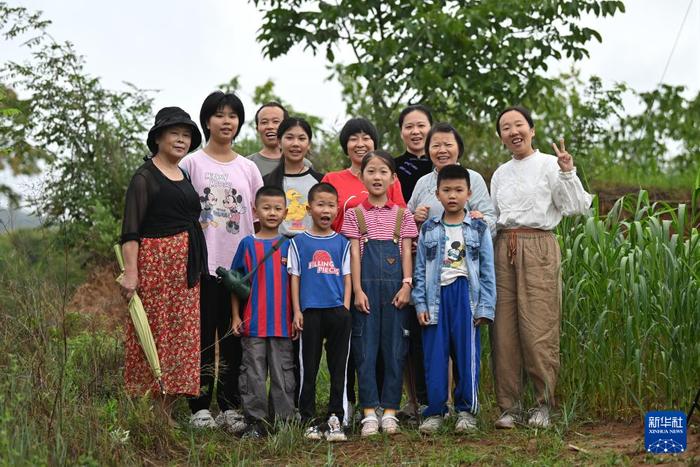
(380, 234)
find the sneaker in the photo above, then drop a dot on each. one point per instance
(335, 430)
(202, 419)
(231, 420)
(506, 421)
(313, 433)
(253, 431)
(408, 412)
(466, 422)
(370, 426)
(390, 424)
(539, 417)
(431, 424)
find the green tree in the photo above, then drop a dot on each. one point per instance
(91, 138)
(465, 59)
(16, 153)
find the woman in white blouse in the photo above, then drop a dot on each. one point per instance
(531, 192)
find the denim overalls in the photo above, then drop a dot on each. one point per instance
(384, 329)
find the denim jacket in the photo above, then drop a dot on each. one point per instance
(482, 276)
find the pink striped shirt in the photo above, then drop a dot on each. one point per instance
(381, 222)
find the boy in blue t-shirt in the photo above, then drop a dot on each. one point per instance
(266, 322)
(454, 293)
(319, 264)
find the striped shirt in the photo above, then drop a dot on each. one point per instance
(267, 312)
(381, 223)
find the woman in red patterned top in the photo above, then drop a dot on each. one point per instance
(357, 138)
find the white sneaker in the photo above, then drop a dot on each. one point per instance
(313, 433)
(390, 424)
(466, 422)
(539, 417)
(506, 421)
(431, 424)
(231, 420)
(370, 426)
(335, 430)
(202, 419)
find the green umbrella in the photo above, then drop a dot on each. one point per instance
(141, 326)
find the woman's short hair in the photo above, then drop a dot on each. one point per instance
(517, 108)
(215, 102)
(444, 128)
(355, 126)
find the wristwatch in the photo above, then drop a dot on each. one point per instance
(408, 280)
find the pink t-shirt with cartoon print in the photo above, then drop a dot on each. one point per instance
(227, 194)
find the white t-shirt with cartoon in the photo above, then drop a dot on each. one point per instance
(453, 263)
(227, 194)
(296, 189)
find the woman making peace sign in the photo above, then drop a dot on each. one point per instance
(531, 192)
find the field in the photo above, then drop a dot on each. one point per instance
(629, 344)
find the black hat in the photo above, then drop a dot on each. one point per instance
(171, 116)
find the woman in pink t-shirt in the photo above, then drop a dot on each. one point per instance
(357, 138)
(226, 183)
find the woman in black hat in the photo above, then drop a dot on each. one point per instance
(164, 256)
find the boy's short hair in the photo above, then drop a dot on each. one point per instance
(453, 172)
(270, 190)
(321, 187)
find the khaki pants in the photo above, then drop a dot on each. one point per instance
(525, 333)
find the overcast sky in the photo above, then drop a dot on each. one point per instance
(185, 49)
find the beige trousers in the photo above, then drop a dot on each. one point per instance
(525, 332)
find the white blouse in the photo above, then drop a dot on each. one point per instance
(533, 192)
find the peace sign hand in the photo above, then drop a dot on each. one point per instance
(564, 159)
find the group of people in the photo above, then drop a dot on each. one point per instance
(394, 264)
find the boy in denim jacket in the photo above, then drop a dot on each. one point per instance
(454, 293)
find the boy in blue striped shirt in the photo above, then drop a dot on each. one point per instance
(266, 322)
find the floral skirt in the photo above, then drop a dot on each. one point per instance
(173, 315)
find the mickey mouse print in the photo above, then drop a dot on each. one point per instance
(453, 264)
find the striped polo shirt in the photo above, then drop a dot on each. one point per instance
(381, 222)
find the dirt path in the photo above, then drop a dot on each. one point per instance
(590, 444)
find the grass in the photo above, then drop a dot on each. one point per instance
(623, 179)
(629, 344)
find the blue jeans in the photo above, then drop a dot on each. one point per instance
(383, 330)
